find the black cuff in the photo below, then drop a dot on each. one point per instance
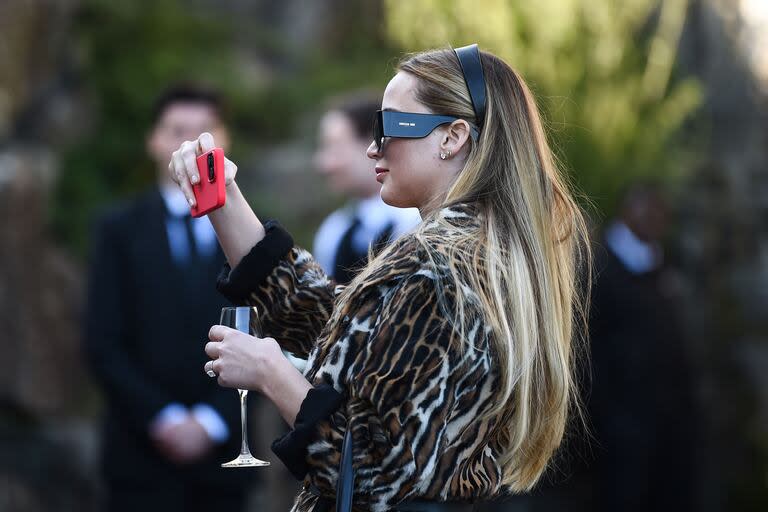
(319, 404)
(237, 284)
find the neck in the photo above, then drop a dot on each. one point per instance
(432, 205)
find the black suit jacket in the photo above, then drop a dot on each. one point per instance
(641, 403)
(637, 455)
(146, 327)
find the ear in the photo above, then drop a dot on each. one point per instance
(455, 137)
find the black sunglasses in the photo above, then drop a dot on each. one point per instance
(408, 125)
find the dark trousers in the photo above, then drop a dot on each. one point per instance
(174, 497)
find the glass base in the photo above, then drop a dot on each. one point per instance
(245, 461)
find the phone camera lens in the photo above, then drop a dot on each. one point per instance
(211, 173)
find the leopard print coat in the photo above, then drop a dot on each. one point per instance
(414, 403)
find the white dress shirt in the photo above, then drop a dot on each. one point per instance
(374, 214)
(637, 256)
(205, 236)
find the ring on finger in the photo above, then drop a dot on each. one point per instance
(209, 369)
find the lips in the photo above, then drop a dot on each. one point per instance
(380, 172)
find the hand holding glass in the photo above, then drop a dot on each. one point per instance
(244, 319)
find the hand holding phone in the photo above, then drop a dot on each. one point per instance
(210, 191)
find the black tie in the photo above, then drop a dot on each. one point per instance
(348, 259)
(194, 255)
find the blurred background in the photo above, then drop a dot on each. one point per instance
(668, 94)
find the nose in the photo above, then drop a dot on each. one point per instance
(373, 151)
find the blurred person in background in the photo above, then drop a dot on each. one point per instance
(641, 403)
(638, 453)
(151, 300)
(342, 241)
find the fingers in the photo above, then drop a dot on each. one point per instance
(189, 157)
(213, 349)
(230, 170)
(217, 368)
(186, 188)
(183, 165)
(177, 169)
(205, 143)
(217, 332)
(174, 167)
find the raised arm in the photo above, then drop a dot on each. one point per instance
(293, 294)
(237, 227)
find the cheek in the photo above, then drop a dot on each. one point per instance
(163, 146)
(331, 161)
(345, 161)
(408, 179)
(404, 156)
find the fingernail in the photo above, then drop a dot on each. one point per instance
(195, 179)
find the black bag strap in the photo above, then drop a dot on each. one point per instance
(346, 483)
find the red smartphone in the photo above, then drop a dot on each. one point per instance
(210, 192)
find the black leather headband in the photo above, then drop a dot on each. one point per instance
(469, 60)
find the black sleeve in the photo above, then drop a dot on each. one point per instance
(293, 295)
(238, 284)
(320, 402)
(108, 331)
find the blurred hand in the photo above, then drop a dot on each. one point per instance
(241, 361)
(184, 442)
(183, 166)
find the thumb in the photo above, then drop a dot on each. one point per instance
(205, 143)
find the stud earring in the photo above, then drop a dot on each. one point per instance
(442, 156)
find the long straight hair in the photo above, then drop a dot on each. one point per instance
(524, 263)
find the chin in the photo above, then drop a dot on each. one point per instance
(393, 199)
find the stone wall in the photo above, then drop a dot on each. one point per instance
(723, 248)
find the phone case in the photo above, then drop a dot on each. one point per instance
(210, 192)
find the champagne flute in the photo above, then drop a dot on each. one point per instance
(244, 319)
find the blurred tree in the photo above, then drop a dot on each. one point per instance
(128, 52)
(602, 71)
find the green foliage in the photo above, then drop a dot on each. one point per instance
(129, 51)
(602, 72)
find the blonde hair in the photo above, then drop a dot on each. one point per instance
(523, 265)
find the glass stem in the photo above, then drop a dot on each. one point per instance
(244, 450)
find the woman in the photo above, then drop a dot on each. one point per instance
(448, 361)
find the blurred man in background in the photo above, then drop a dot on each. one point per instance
(638, 453)
(641, 403)
(151, 301)
(342, 241)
